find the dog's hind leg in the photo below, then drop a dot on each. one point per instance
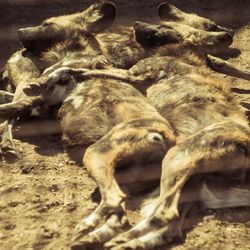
(8, 111)
(64, 73)
(124, 144)
(224, 67)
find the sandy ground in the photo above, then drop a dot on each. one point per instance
(45, 194)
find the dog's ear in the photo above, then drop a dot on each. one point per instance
(168, 12)
(99, 16)
(155, 35)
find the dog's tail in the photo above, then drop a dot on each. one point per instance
(210, 197)
(223, 198)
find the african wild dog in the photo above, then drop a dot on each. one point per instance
(177, 39)
(118, 127)
(128, 143)
(205, 118)
(41, 43)
(122, 49)
(208, 42)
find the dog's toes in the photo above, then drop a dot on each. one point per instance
(80, 231)
(114, 242)
(87, 243)
(131, 245)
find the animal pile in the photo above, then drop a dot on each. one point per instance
(131, 100)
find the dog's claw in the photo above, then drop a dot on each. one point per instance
(132, 245)
(114, 242)
(80, 231)
(87, 243)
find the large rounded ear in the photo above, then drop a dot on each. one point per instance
(99, 16)
(155, 35)
(168, 12)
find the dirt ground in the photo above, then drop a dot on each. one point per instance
(45, 194)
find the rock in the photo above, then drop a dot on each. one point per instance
(9, 227)
(53, 188)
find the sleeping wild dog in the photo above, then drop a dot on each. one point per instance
(40, 47)
(212, 135)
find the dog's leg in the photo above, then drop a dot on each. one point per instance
(8, 111)
(17, 108)
(224, 67)
(140, 175)
(114, 225)
(219, 147)
(97, 62)
(123, 143)
(5, 127)
(101, 168)
(64, 73)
